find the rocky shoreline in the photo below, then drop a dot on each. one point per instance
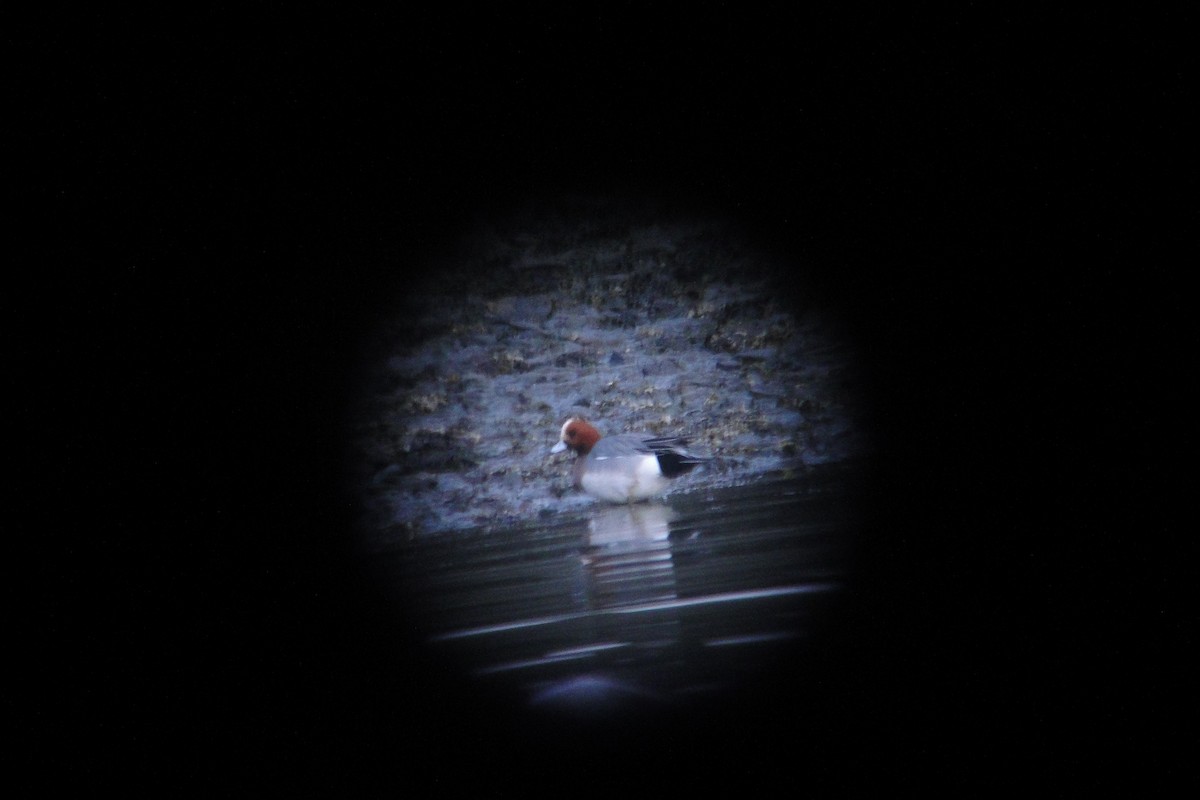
(635, 319)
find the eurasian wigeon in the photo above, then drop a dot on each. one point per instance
(627, 467)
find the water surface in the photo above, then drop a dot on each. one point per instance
(652, 605)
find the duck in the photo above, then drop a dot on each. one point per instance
(627, 467)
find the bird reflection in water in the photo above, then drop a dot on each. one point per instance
(627, 569)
